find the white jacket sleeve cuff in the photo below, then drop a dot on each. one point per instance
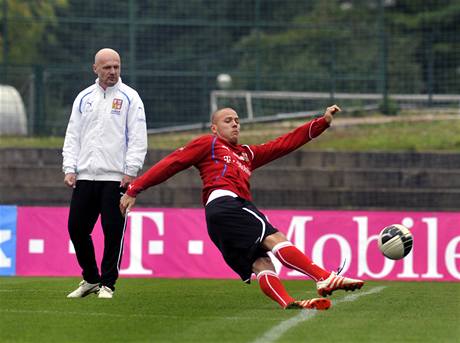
(68, 170)
(131, 171)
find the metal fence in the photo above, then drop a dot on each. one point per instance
(172, 51)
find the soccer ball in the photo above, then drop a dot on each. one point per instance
(224, 81)
(395, 241)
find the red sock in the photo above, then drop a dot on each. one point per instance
(271, 285)
(293, 258)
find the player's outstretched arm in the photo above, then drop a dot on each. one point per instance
(330, 111)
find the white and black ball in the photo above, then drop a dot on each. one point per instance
(224, 81)
(395, 241)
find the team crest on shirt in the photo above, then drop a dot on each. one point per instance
(243, 157)
(116, 106)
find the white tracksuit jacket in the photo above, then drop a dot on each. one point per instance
(107, 135)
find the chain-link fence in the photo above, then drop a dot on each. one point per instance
(172, 51)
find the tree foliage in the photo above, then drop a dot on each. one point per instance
(177, 48)
(26, 26)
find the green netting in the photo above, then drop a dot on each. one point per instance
(172, 51)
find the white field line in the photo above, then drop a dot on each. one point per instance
(270, 336)
(279, 330)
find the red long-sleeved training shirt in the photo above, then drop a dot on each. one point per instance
(223, 165)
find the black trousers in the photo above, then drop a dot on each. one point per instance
(89, 200)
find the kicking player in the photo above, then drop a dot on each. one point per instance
(239, 230)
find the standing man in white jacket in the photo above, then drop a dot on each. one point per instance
(104, 149)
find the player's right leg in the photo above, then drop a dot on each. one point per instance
(83, 214)
(310, 304)
(271, 286)
(84, 289)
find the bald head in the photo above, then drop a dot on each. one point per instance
(107, 66)
(220, 113)
(226, 125)
(106, 54)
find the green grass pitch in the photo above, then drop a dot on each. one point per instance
(195, 310)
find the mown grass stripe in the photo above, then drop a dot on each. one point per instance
(279, 330)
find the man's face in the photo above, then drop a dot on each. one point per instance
(107, 68)
(226, 125)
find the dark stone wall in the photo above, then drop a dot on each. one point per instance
(303, 179)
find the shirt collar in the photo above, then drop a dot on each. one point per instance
(109, 89)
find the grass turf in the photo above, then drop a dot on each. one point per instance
(176, 310)
(423, 135)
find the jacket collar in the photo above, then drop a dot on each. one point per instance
(109, 89)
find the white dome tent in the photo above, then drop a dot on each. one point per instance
(13, 119)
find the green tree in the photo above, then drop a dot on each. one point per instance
(332, 47)
(355, 46)
(433, 28)
(24, 28)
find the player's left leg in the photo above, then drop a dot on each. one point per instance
(113, 225)
(290, 256)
